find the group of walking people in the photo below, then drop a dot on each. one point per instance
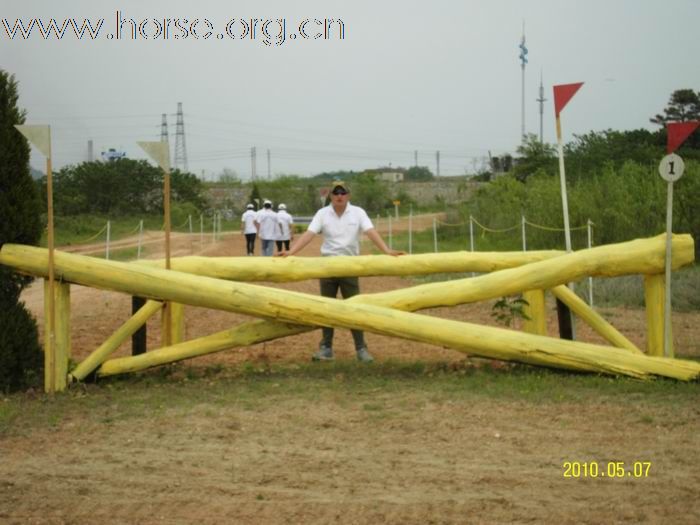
(272, 227)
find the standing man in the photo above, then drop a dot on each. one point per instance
(285, 223)
(249, 229)
(266, 222)
(341, 225)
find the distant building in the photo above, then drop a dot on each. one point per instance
(112, 154)
(391, 176)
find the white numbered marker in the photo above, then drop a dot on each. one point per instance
(671, 167)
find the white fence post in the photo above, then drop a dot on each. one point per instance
(138, 250)
(590, 278)
(391, 243)
(523, 229)
(201, 231)
(435, 246)
(410, 230)
(471, 238)
(109, 225)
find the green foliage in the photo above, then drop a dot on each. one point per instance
(122, 187)
(683, 105)
(534, 156)
(295, 192)
(20, 209)
(255, 198)
(418, 174)
(21, 358)
(507, 309)
(591, 153)
(371, 193)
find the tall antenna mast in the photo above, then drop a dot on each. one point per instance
(541, 100)
(523, 61)
(180, 147)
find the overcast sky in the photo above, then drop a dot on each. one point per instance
(407, 76)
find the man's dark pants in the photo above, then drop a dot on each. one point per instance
(348, 286)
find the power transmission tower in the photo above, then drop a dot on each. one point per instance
(91, 155)
(541, 100)
(164, 128)
(180, 147)
(269, 172)
(437, 161)
(415, 158)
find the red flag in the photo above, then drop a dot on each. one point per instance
(562, 95)
(678, 132)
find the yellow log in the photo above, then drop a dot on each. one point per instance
(125, 331)
(245, 334)
(535, 310)
(178, 323)
(304, 309)
(654, 298)
(600, 325)
(278, 269)
(633, 257)
(61, 348)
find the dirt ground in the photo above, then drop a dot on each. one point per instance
(368, 458)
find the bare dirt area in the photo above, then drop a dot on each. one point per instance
(337, 449)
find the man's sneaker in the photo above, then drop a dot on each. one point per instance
(325, 353)
(364, 356)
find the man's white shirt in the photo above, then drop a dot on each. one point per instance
(248, 218)
(341, 235)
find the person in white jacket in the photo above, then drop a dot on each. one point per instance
(266, 222)
(285, 224)
(249, 229)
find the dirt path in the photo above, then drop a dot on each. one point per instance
(353, 455)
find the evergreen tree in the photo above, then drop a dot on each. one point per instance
(20, 209)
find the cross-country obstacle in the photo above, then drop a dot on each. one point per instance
(213, 283)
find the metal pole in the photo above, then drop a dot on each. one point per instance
(109, 227)
(189, 218)
(523, 229)
(667, 302)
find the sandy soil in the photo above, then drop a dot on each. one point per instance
(367, 458)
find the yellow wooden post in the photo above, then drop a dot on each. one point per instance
(535, 310)
(654, 286)
(56, 372)
(177, 323)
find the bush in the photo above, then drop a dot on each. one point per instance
(21, 358)
(20, 210)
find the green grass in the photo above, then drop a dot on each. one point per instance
(182, 388)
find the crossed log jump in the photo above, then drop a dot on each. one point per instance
(214, 283)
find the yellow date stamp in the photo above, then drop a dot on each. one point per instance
(606, 469)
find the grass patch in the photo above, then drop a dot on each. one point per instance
(179, 389)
